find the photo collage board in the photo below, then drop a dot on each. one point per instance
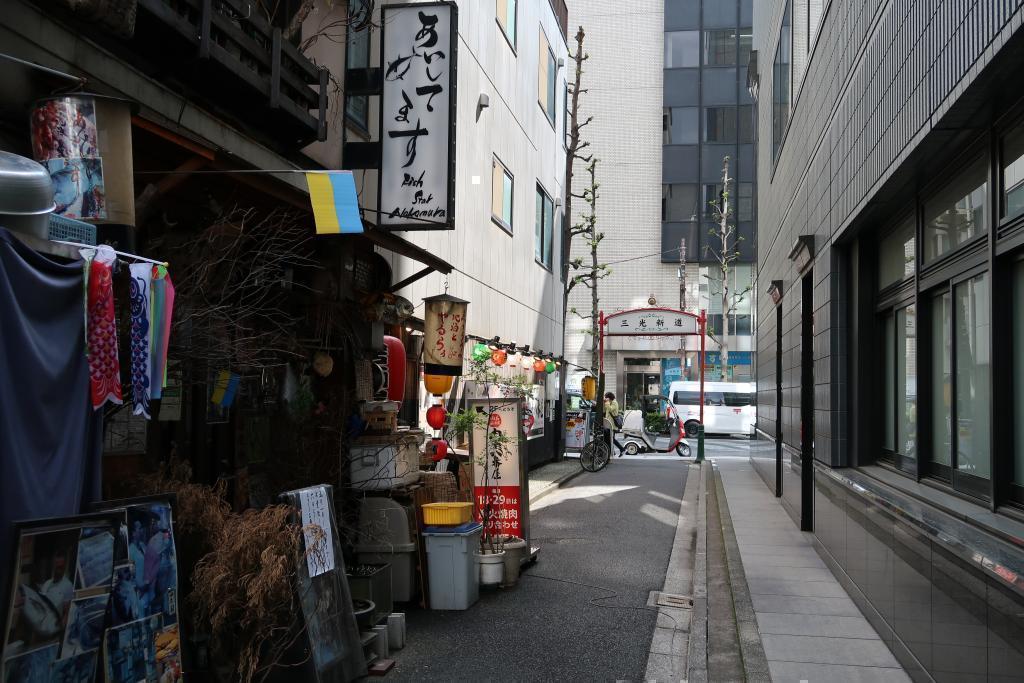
(95, 598)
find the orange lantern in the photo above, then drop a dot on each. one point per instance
(499, 357)
(589, 386)
(438, 384)
(539, 365)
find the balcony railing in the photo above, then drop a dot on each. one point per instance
(231, 55)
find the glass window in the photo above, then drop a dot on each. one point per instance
(680, 126)
(896, 255)
(720, 47)
(942, 373)
(720, 124)
(567, 117)
(814, 10)
(956, 213)
(501, 194)
(686, 398)
(682, 48)
(973, 374)
(679, 202)
(546, 78)
(1018, 372)
(712, 199)
(745, 201)
(1013, 173)
(545, 222)
(782, 76)
(505, 10)
(357, 56)
(906, 382)
(889, 434)
(746, 43)
(745, 123)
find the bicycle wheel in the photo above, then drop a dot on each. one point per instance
(595, 455)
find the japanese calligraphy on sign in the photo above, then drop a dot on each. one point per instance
(444, 335)
(316, 529)
(497, 470)
(417, 110)
(650, 322)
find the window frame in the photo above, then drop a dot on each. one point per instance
(706, 44)
(566, 115)
(542, 192)
(1006, 471)
(551, 77)
(781, 131)
(974, 155)
(496, 163)
(513, 40)
(699, 55)
(977, 488)
(667, 121)
(360, 125)
(732, 117)
(895, 456)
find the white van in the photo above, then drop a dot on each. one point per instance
(728, 406)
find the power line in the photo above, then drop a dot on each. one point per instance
(637, 258)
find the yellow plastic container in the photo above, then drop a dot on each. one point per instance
(447, 514)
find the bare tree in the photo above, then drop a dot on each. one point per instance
(574, 153)
(590, 274)
(725, 257)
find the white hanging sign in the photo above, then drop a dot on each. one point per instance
(417, 176)
(650, 322)
(316, 511)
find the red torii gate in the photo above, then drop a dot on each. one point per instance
(655, 322)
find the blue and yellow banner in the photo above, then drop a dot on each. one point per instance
(335, 203)
(225, 388)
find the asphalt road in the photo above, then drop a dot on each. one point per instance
(612, 530)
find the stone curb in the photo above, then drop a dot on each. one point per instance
(555, 485)
(755, 664)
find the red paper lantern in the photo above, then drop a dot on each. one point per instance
(435, 416)
(539, 365)
(438, 449)
(499, 357)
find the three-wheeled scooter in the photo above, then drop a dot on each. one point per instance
(634, 436)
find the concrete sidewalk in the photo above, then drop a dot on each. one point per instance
(810, 628)
(549, 477)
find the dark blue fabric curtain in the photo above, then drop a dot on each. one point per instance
(51, 440)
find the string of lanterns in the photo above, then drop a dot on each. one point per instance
(445, 338)
(499, 352)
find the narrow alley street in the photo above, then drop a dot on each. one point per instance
(580, 613)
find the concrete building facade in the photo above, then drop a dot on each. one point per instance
(665, 112)
(889, 208)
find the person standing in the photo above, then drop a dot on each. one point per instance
(612, 419)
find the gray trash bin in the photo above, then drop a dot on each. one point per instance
(451, 565)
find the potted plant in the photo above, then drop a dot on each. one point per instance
(491, 558)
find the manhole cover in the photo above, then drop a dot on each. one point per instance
(673, 600)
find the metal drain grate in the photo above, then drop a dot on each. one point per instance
(659, 599)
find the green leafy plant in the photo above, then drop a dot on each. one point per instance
(462, 423)
(655, 423)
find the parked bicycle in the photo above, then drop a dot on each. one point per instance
(595, 455)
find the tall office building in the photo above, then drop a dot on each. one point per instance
(666, 82)
(891, 295)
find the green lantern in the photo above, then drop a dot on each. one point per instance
(550, 367)
(481, 352)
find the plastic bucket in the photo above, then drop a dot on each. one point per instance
(515, 549)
